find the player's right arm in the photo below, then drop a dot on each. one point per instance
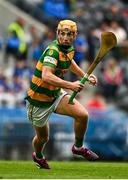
(50, 61)
(49, 77)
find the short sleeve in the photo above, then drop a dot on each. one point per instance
(51, 58)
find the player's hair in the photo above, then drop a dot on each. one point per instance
(71, 25)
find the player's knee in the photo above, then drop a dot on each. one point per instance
(83, 117)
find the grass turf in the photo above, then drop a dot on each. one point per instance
(64, 170)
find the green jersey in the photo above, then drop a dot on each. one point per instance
(40, 93)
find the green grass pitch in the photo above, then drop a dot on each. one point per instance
(64, 170)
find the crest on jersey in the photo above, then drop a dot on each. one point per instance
(51, 52)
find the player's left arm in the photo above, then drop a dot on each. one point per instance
(79, 72)
(76, 69)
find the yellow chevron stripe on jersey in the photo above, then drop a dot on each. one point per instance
(54, 47)
(70, 55)
(39, 65)
(39, 81)
(66, 57)
(38, 96)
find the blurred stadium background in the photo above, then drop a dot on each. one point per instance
(107, 103)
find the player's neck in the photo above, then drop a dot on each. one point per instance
(62, 46)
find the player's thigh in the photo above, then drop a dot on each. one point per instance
(75, 110)
(42, 132)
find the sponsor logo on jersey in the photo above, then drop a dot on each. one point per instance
(51, 60)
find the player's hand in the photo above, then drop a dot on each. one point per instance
(92, 80)
(77, 86)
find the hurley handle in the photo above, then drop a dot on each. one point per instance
(108, 41)
(73, 95)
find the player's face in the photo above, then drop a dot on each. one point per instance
(66, 37)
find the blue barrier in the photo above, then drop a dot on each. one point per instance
(107, 132)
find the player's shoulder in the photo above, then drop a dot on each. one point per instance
(54, 46)
(52, 50)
